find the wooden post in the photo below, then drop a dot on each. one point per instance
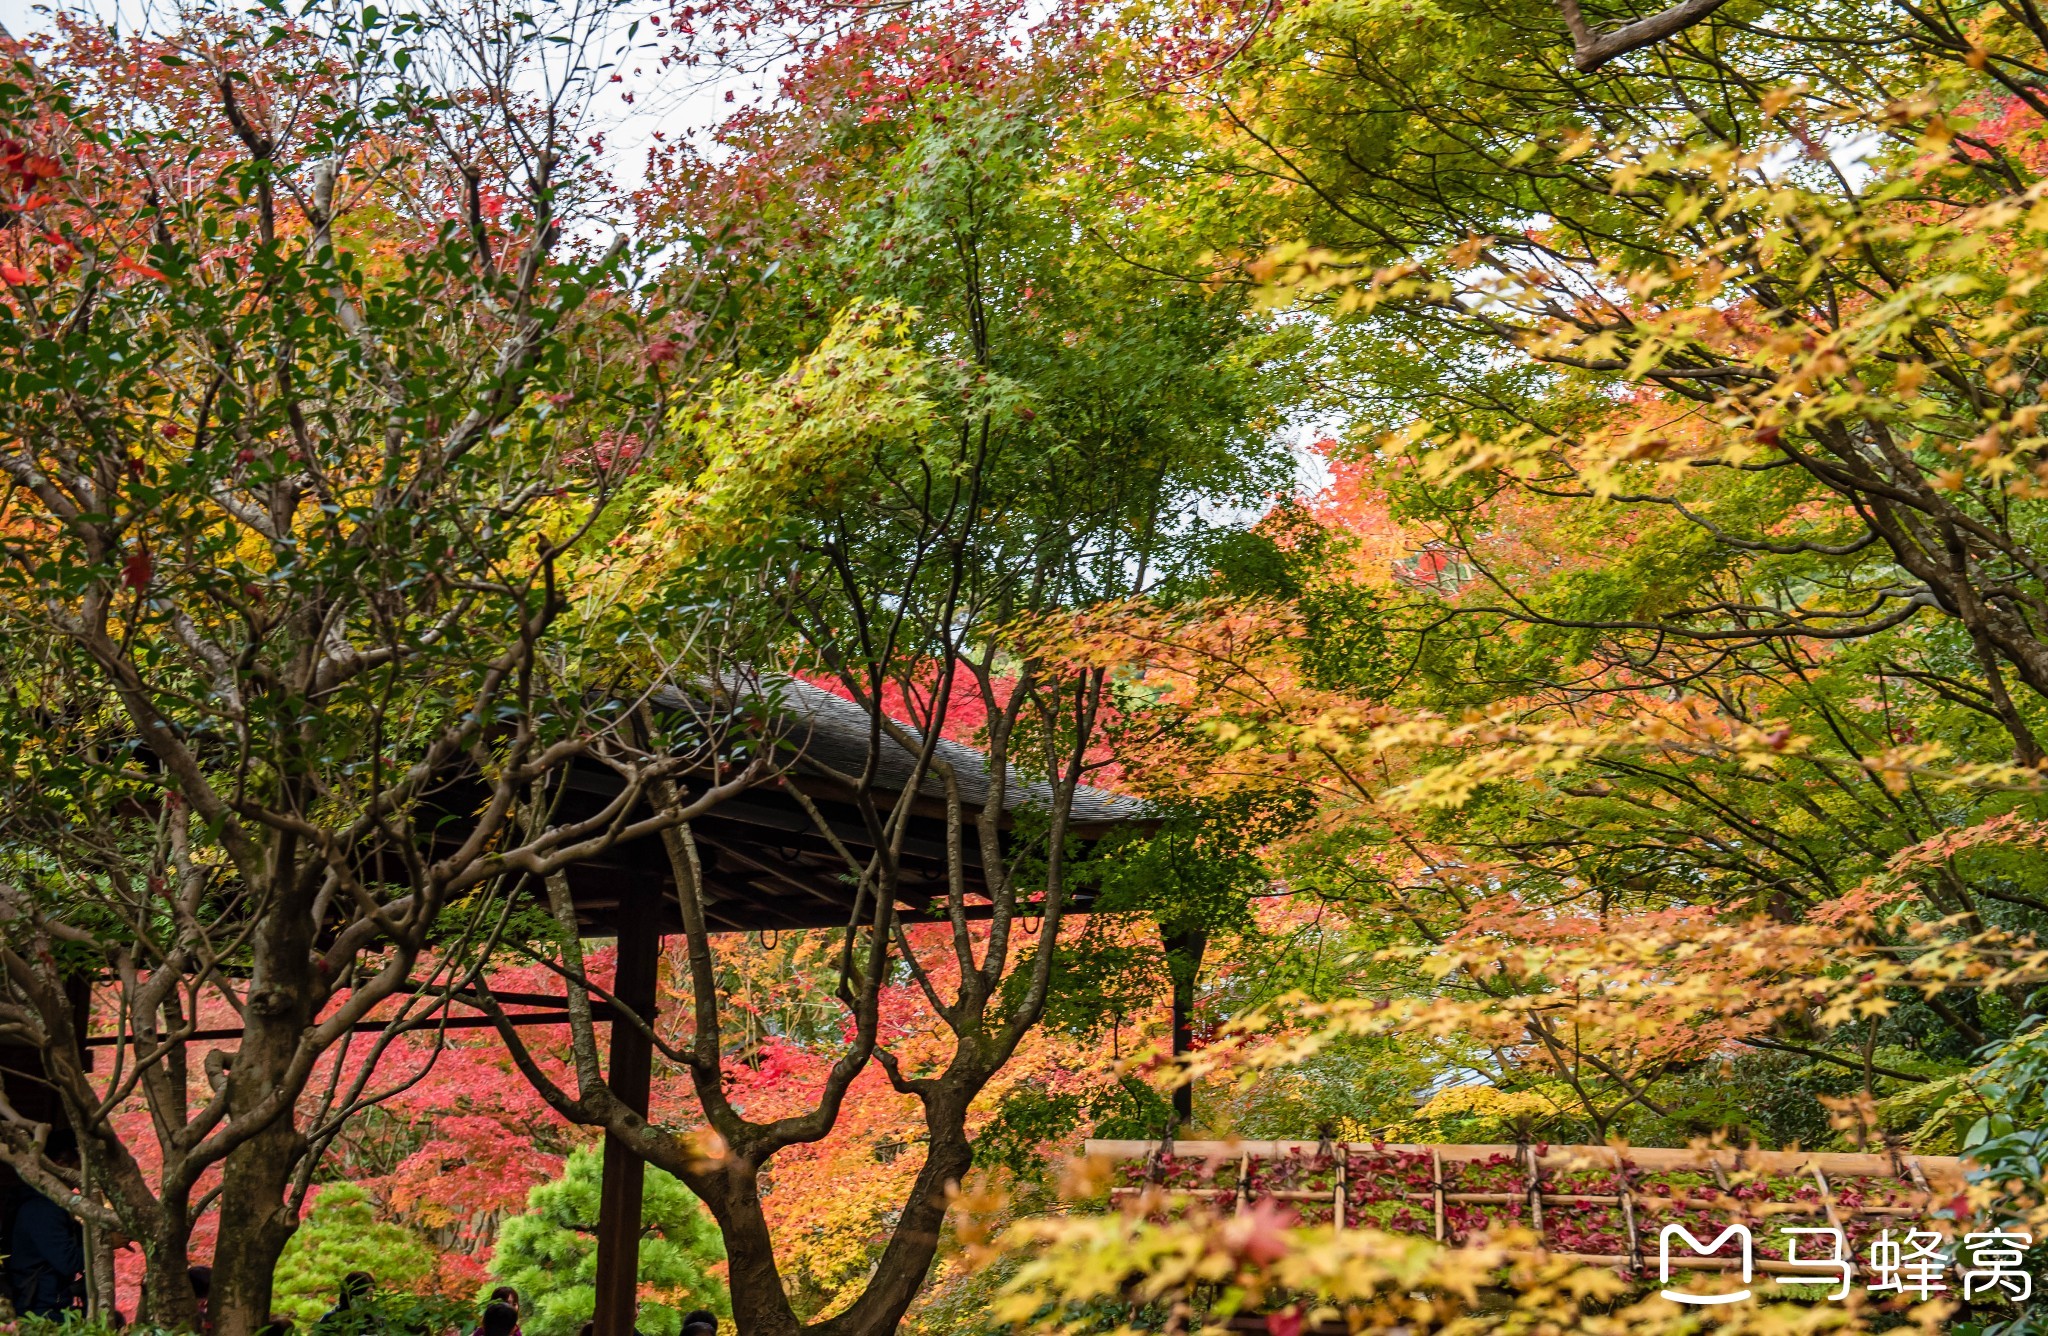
(1628, 1211)
(1535, 1191)
(618, 1210)
(1184, 952)
(1827, 1201)
(1436, 1190)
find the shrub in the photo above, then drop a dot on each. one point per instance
(550, 1253)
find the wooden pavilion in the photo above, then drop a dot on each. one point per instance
(766, 867)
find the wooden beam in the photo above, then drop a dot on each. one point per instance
(843, 903)
(632, 1070)
(827, 891)
(600, 1010)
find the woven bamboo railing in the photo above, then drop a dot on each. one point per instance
(1916, 1184)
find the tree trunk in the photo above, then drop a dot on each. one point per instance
(99, 1269)
(733, 1192)
(255, 1224)
(256, 1220)
(759, 1306)
(907, 1260)
(167, 1299)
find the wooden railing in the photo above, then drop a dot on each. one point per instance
(1914, 1185)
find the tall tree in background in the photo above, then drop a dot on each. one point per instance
(297, 368)
(947, 423)
(1688, 452)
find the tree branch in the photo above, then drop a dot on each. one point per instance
(1591, 50)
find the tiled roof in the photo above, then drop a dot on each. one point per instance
(831, 736)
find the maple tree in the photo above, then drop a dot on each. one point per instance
(1678, 583)
(294, 347)
(1639, 736)
(1652, 438)
(940, 424)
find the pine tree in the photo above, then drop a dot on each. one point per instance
(550, 1253)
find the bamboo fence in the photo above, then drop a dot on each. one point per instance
(1834, 1189)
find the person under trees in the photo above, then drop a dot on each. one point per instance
(46, 1247)
(506, 1296)
(355, 1307)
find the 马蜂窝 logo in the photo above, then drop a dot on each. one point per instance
(1994, 1261)
(1703, 1249)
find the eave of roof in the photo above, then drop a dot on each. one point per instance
(830, 737)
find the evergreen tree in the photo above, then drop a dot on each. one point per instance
(550, 1253)
(340, 1234)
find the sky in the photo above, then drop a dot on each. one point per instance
(676, 103)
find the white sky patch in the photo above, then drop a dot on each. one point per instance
(680, 104)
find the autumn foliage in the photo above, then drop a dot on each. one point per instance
(1530, 517)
